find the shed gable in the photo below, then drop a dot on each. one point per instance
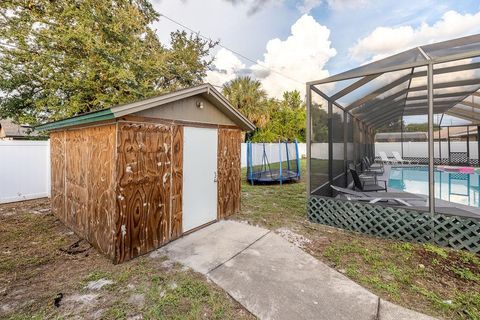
(188, 109)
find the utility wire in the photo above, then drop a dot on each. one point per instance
(202, 36)
(227, 48)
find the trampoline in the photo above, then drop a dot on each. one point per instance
(270, 163)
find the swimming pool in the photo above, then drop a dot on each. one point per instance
(455, 187)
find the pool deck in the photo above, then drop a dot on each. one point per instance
(442, 206)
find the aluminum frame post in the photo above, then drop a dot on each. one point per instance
(308, 101)
(431, 177)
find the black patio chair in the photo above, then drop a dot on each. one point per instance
(367, 169)
(365, 185)
(372, 165)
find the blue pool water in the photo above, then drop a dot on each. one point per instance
(455, 187)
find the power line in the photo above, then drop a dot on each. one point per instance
(231, 50)
(202, 36)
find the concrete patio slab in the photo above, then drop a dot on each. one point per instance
(207, 248)
(274, 279)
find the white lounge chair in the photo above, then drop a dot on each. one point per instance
(385, 159)
(374, 197)
(399, 158)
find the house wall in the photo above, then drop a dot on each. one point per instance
(83, 183)
(187, 110)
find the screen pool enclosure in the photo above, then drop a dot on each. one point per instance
(269, 163)
(431, 84)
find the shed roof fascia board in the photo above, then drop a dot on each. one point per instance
(212, 91)
(101, 115)
(236, 116)
(129, 108)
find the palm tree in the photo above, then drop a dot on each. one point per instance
(247, 95)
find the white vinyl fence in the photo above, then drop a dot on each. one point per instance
(24, 170)
(420, 149)
(271, 149)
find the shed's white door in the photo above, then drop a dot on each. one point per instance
(199, 177)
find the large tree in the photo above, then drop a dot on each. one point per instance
(287, 120)
(247, 95)
(59, 58)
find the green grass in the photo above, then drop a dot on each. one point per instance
(434, 280)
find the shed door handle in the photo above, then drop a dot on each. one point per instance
(215, 176)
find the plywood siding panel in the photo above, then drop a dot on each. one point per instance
(90, 185)
(144, 160)
(229, 171)
(177, 182)
(57, 156)
(76, 161)
(101, 188)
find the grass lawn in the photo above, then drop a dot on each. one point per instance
(433, 280)
(38, 264)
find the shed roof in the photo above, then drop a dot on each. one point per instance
(205, 90)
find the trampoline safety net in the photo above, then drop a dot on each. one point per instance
(272, 162)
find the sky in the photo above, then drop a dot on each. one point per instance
(286, 43)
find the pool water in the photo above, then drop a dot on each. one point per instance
(455, 187)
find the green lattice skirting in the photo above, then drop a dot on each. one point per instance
(397, 223)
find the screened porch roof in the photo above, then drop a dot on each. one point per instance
(396, 86)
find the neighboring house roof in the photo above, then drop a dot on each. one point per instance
(398, 136)
(8, 129)
(206, 90)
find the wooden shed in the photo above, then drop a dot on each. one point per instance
(134, 177)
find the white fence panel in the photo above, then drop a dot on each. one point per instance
(271, 149)
(24, 170)
(420, 149)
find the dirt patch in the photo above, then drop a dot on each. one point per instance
(292, 237)
(46, 271)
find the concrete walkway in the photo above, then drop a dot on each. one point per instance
(274, 279)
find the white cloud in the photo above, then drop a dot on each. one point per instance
(226, 66)
(384, 41)
(302, 56)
